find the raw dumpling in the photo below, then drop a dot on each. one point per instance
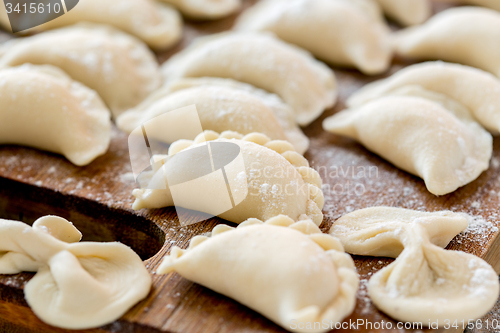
(473, 88)
(466, 35)
(76, 285)
(206, 9)
(420, 137)
(158, 25)
(425, 283)
(289, 272)
(407, 12)
(220, 108)
(119, 67)
(493, 4)
(284, 114)
(275, 180)
(42, 107)
(262, 60)
(336, 31)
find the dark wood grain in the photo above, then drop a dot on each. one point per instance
(98, 199)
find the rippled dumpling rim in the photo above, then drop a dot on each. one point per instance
(344, 302)
(310, 176)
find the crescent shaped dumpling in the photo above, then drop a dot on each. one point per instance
(493, 4)
(277, 180)
(76, 285)
(263, 61)
(42, 107)
(289, 272)
(283, 113)
(466, 35)
(336, 31)
(206, 9)
(421, 137)
(220, 108)
(119, 67)
(425, 283)
(407, 12)
(158, 25)
(475, 89)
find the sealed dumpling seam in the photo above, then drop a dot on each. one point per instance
(277, 178)
(289, 272)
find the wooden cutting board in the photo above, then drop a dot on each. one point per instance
(97, 198)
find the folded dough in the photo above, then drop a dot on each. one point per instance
(289, 272)
(77, 285)
(42, 107)
(279, 180)
(466, 35)
(119, 67)
(158, 25)
(264, 61)
(220, 108)
(493, 4)
(206, 9)
(407, 12)
(336, 31)
(425, 283)
(421, 137)
(283, 113)
(475, 89)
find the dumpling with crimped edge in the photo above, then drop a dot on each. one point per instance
(466, 35)
(288, 272)
(278, 180)
(220, 108)
(76, 285)
(408, 12)
(336, 31)
(263, 61)
(421, 137)
(475, 89)
(425, 283)
(158, 25)
(493, 4)
(42, 107)
(119, 67)
(283, 113)
(206, 9)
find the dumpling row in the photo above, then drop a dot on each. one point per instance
(425, 283)
(296, 274)
(279, 180)
(77, 285)
(424, 119)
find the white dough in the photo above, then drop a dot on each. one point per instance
(42, 107)
(420, 137)
(119, 67)
(284, 270)
(407, 12)
(158, 25)
(206, 9)
(339, 32)
(425, 283)
(220, 108)
(278, 179)
(76, 285)
(263, 61)
(466, 35)
(475, 89)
